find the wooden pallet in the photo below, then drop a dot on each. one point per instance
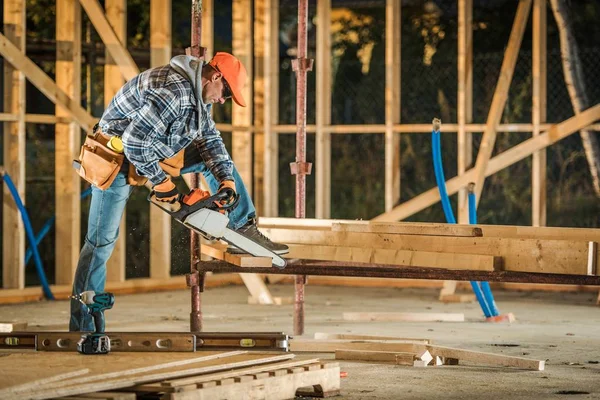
(282, 381)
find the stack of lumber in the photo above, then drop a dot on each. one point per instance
(434, 245)
(404, 351)
(177, 376)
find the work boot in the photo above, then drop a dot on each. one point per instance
(250, 230)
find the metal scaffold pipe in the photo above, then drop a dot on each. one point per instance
(301, 168)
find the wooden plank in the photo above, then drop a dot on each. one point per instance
(134, 369)
(525, 255)
(297, 223)
(403, 317)
(330, 346)
(110, 39)
(116, 15)
(408, 258)
(238, 361)
(67, 142)
(13, 326)
(376, 356)
(497, 163)
(13, 232)
(41, 81)
(538, 112)
(488, 140)
(241, 117)
(486, 358)
(407, 228)
(323, 111)
(242, 371)
(44, 377)
(160, 222)
(219, 252)
(393, 32)
(279, 385)
(271, 109)
(102, 395)
(347, 336)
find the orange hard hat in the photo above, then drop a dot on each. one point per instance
(234, 73)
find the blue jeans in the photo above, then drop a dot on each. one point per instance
(106, 211)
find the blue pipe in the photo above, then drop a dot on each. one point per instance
(46, 228)
(441, 183)
(29, 231)
(485, 286)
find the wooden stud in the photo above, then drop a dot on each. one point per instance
(539, 81)
(242, 116)
(208, 28)
(347, 336)
(13, 237)
(160, 222)
(271, 109)
(116, 15)
(67, 142)
(488, 140)
(465, 96)
(392, 101)
(497, 163)
(592, 267)
(323, 112)
(260, 98)
(114, 46)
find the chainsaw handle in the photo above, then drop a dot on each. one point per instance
(229, 196)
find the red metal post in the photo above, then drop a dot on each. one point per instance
(195, 279)
(301, 168)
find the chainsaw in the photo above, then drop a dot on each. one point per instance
(207, 216)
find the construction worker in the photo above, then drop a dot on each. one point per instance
(163, 120)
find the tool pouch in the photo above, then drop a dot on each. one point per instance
(173, 165)
(98, 164)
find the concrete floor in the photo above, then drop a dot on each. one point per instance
(563, 328)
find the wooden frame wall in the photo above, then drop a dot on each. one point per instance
(70, 117)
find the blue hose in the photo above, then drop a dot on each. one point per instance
(485, 286)
(441, 183)
(46, 228)
(29, 231)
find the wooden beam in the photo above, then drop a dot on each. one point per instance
(519, 255)
(539, 81)
(208, 28)
(261, 26)
(465, 96)
(271, 109)
(257, 288)
(408, 258)
(67, 142)
(488, 141)
(42, 81)
(522, 150)
(242, 116)
(160, 222)
(116, 15)
(13, 232)
(393, 65)
(323, 112)
(115, 47)
(396, 358)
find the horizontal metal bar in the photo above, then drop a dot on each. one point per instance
(334, 268)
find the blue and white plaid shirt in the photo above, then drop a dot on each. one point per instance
(156, 115)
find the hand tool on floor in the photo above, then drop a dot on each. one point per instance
(206, 215)
(96, 342)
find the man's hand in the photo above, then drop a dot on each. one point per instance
(228, 185)
(166, 191)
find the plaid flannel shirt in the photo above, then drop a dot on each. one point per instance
(156, 115)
